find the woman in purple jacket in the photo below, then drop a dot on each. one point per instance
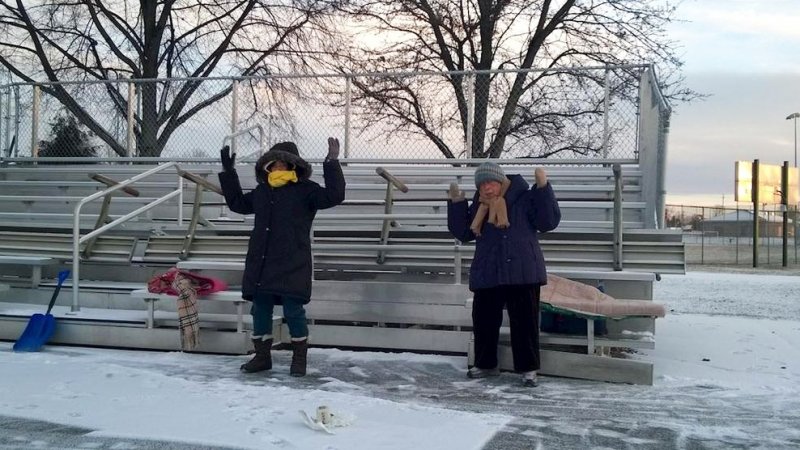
(508, 268)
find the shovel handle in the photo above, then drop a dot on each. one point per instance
(63, 275)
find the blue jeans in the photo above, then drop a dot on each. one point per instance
(263, 307)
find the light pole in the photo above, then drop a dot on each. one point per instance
(790, 117)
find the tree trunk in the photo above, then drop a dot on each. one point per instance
(148, 135)
(481, 93)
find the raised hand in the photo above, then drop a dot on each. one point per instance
(456, 195)
(228, 160)
(541, 177)
(333, 149)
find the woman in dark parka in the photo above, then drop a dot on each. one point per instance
(278, 269)
(508, 268)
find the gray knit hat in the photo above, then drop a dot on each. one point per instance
(489, 171)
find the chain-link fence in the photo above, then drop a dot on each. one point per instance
(717, 235)
(579, 113)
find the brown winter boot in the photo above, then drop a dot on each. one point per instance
(299, 352)
(262, 360)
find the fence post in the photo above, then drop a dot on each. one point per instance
(755, 212)
(17, 121)
(769, 236)
(785, 208)
(702, 235)
(35, 122)
(131, 138)
(234, 113)
(795, 233)
(8, 121)
(348, 98)
(606, 102)
(2, 122)
(469, 90)
(738, 232)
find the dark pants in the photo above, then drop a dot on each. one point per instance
(293, 310)
(522, 303)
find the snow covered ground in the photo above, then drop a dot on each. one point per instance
(727, 377)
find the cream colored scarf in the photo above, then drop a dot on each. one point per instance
(494, 208)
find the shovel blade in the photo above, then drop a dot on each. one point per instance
(38, 331)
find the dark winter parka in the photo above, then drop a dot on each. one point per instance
(279, 252)
(509, 256)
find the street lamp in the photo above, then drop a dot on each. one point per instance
(790, 117)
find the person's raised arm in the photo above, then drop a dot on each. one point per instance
(458, 219)
(333, 192)
(545, 215)
(237, 201)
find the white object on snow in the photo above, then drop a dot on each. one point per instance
(314, 424)
(326, 419)
(323, 415)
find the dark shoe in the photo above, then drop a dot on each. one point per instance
(476, 372)
(529, 379)
(262, 360)
(299, 358)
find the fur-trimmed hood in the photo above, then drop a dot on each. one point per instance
(286, 152)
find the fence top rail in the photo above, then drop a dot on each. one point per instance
(407, 73)
(467, 162)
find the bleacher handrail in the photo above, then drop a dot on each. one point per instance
(232, 137)
(77, 240)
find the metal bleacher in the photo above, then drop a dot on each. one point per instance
(387, 272)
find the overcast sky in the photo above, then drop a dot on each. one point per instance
(746, 55)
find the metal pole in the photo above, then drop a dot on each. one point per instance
(754, 190)
(785, 208)
(617, 170)
(234, 114)
(348, 98)
(2, 124)
(738, 232)
(469, 88)
(457, 262)
(606, 95)
(35, 122)
(8, 121)
(702, 235)
(131, 141)
(769, 235)
(180, 201)
(17, 120)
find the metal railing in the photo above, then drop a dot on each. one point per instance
(232, 138)
(77, 240)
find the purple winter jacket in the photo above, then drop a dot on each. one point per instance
(510, 256)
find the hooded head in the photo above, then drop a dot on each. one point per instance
(288, 153)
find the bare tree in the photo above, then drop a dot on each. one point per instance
(77, 40)
(481, 35)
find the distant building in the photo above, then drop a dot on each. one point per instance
(740, 223)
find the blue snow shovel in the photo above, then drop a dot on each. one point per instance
(41, 326)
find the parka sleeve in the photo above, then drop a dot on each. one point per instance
(544, 213)
(237, 201)
(333, 192)
(458, 220)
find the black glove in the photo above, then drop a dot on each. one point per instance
(228, 160)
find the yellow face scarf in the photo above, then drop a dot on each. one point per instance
(278, 178)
